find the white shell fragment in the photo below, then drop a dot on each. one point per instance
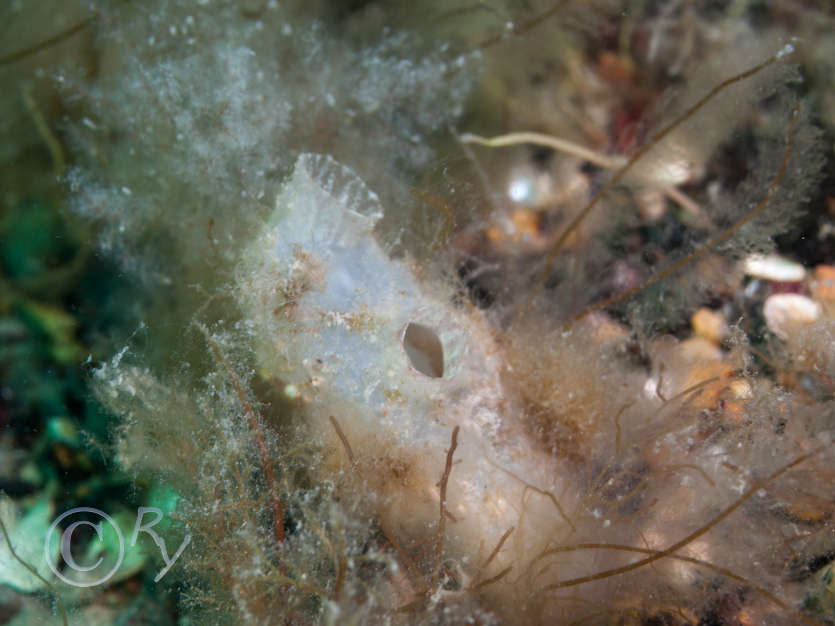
(786, 312)
(775, 268)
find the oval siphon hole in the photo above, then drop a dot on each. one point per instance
(424, 349)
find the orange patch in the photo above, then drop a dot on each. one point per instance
(708, 396)
(823, 287)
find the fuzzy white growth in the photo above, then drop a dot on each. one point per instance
(332, 312)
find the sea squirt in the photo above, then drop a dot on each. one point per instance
(399, 365)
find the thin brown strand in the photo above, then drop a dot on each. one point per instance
(617, 425)
(637, 615)
(782, 375)
(690, 390)
(34, 572)
(56, 152)
(625, 496)
(791, 540)
(646, 545)
(669, 469)
(465, 10)
(421, 543)
(710, 245)
(411, 569)
(524, 26)
(541, 492)
(493, 579)
(255, 427)
(660, 384)
(439, 545)
(598, 484)
(640, 511)
(764, 358)
(342, 569)
(641, 484)
(43, 45)
(608, 612)
(573, 582)
(686, 392)
(498, 547)
(449, 574)
(687, 559)
(344, 440)
(687, 203)
(414, 606)
(623, 171)
(337, 557)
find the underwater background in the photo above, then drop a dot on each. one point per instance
(461, 312)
